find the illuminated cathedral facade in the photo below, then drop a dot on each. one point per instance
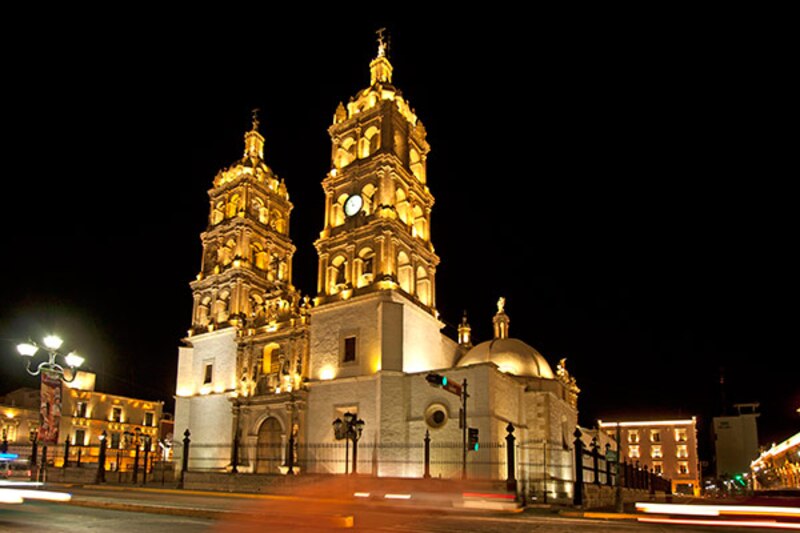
(264, 366)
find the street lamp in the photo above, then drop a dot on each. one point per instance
(52, 373)
(349, 429)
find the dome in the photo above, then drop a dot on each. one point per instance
(511, 356)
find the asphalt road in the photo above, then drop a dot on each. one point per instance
(240, 515)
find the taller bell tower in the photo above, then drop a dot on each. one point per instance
(377, 203)
(375, 310)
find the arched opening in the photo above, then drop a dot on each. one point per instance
(405, 272)
(369, 142)
(368, 193)
(278, 224)
(423, 286)
(365, 267)
(419, 228)
(337, 211)
(260, 212)
(218, 213)
(233, 206)
(346, 153)
(337, 274)
(401, 205)
(269, 447)
(256, 305)
(260, 257)
(416, 164)
(221, 306)
(226, 252)
(202, 311)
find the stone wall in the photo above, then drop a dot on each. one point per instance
(597, 496)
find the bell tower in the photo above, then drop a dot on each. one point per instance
(375, 310)
(377, 203)
(247, 253)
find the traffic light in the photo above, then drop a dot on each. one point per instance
(739, 478)
(472, 440)
(437, 380)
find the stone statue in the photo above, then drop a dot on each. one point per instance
(501, 305)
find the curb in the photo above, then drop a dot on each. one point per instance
(598, 515)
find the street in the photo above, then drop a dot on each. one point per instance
(192, 512)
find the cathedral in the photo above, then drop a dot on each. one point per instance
(265, 370)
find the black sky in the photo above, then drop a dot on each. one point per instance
(627, 191)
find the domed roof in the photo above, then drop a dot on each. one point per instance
(511, 356)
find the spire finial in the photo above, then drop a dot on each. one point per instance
(256, 122)
(501, 320)
(501, 305)
(383, 44)
(253, 140)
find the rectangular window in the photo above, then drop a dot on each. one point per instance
(80, 437)
(209, 374)
(115, 440)
(683, 467)
(633, 451)
(658, 467)
(80, 410)
(682, 451)
(116, 414)
(655, 435)
(148, 419)
(349, 349)
(656, 452)
(681, 435)
(633, 436)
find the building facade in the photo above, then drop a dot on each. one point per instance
(667, 447)
(778, 468)
(736, 441)
(85, 415)
(264, 366)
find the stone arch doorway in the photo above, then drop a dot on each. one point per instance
(269, 447)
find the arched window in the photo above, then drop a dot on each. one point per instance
(337, 274)
(416, 164)
(401, 205)
(405, 272)
(346, 153)
(369, 142)
(278, 223)
(202, 310)
(260, 257)
(419, 228)
(218, 213)
(260, 212)
(368, 194)
(233, 206)
(423, 286)
(221, 309)
(226, 252)
(365, 267)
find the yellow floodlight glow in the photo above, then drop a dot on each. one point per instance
(327, 373)
(646, 423)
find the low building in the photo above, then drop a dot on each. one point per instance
(667, 447)
(85, 415)
(779, 467)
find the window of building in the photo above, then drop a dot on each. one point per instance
(115, 440)
(633, 451)
(655, 435)
(349, 349)
(633, 435)
(682, 451)
(80, 437)
(656, 452)
(148, 419)
(683, 467)
(116, 414)
(209, 373)
(658, 467)
(80, 409)
(681, 435)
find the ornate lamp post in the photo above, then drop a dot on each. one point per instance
(349, 429)
(52, 373)
(101, 459)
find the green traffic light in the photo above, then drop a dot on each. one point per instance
(476, 447)
(444, 380)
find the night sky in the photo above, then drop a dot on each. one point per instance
(624, 189)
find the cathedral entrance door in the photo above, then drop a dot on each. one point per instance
(269, 447)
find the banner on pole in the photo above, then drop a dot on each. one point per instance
(50, 409)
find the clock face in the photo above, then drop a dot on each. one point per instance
(353, 205)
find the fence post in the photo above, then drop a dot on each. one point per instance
(596, 461)
(511, 482)
(101, 459)
(608, 465)
(577, 498)
(185, 460)
(427, 440)
(652, 480)
(66, 452)
(79, 455)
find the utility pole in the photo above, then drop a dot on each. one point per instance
(464, 397)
